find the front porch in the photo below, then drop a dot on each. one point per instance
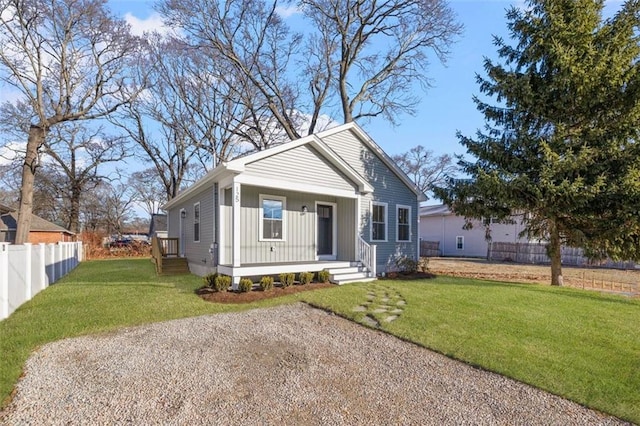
(340, 272)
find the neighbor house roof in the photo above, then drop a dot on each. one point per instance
(238, 165)
(436, 210)
(9, 221)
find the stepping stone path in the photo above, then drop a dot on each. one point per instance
(382, 304)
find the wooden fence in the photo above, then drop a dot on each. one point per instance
(533, 253)
(430, 248)
(26, 269)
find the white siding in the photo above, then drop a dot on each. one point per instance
(445, 229)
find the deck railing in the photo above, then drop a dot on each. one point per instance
(162, 248)
(367, 255)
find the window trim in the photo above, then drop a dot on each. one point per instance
(196, 221)
(461, 239)
(405, 207)
(386, 221)
(280, 198)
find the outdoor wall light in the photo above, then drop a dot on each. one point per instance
(304, 209)
(183, 213)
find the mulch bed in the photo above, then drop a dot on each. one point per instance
(252, 296)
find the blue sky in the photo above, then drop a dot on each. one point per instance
(447, 106)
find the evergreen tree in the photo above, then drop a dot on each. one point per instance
(561, 142)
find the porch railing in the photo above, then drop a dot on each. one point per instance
(162, 248)
(367, 255)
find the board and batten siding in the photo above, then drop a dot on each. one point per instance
(388, 188)
(200, 259)
(300, 235)
(301, 165)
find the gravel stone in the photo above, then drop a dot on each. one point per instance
(288, 365)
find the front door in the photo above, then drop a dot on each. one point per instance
(326, 230)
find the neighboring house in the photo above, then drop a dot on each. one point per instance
(42, 231)
(325, 201)
(158, 226)
(439, 223)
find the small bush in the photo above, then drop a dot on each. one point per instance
(323, 276)
(266, 283)
(210, 280)
(306, 277)
(245, 285)
(221, 283)
(287, 279)
(406, 265)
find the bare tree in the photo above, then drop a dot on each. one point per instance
(364, 56)
(148, 190)
(425, 168)
(68, 59)
(377, 50)
(77, 154)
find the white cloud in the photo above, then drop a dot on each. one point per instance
(153, 23)
(11, 151)
(287, 11)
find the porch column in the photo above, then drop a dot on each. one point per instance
(236, 237)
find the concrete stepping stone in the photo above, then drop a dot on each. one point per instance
(391, 318)
(379, 310)
(360, 309)
(370, 322)
(396, 311)
(384, 300)
(401, 303)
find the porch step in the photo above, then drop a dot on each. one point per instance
(350, 274)
(174, 266)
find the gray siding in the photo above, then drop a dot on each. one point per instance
(301, 165)
(300, 238)
(388, 188)
(196, 252)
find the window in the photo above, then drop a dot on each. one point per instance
(196, 222)
(460, 243)
(379, 221)
(404, 223)
(272, 223)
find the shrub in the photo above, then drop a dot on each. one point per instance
(406, 265)
(221, 283)
(266, 283)
(306, 277)
(287, 279)
(323, 276)
(245, 285)
(209, 280)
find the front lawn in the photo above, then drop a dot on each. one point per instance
(578, 344)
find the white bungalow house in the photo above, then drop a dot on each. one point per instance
(333, 200)
(439, 224)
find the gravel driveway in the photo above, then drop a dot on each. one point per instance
(285, 365)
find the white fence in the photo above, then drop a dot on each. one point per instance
(27, 269)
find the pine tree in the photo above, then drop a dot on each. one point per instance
(561, 142)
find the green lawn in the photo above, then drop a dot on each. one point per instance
(578, 344)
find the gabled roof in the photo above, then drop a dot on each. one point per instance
(364, 137)
(9, 221)
(436, 210)
(237, 165)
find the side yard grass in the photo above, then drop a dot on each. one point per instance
(99, 296)
(577, 344)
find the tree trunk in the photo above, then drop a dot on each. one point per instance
(554, 250)
(34, 142)
(74, 211)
